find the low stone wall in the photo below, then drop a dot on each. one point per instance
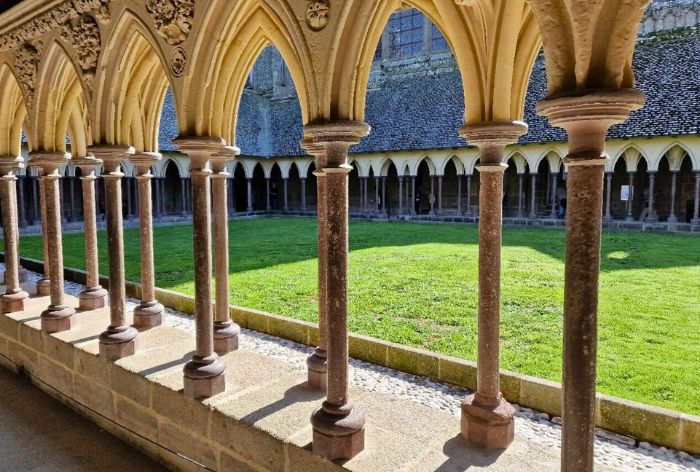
(645, 423)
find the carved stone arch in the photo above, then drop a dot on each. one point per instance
(553, 160)
(459, 166)
(60, 103)
(385, 164)
(632, 155)
(675, 154)
(429, 162)
(12, 113)
(132, 85)
(225, 51)
(519, 160)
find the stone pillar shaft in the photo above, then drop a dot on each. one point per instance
(696, 202)
(533, 196)
(630, 198)
(412, 203)
(459, 194)
(267, 193)
(285, 181)
(672, 218)
(20, 203)
(553, 189)
(303, 194)
(400, 195)
(520, 195)
(13, 298)
(608, 195)
(652, 211)
(250, 195)
(469, 195)
(44, 284)
(36, 214)
(439, 194)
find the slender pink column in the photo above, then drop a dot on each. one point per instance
(43, 285)
(119, 339)
(94, 296)
(149, 312)
(204, 373)
(696, 201)
(13, 298)
(586, 116)
(487, 418)
(317, 362)
(338, 427)
(58, 316)
(226, 332)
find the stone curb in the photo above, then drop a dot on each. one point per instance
(646, 423)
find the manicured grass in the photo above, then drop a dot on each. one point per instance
(417, 285)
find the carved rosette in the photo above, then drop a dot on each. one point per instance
(83, 33)
(172, 18)
(179, 61)
(317, 14)
(26, 66)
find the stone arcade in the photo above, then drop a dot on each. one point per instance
(98, 70)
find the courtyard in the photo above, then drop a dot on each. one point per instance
(417, 285)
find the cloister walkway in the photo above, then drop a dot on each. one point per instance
(39, 434)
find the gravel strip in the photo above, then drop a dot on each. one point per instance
(612, 450)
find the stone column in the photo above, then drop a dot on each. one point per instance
(21, 210)
(148, 313)
(250, 195)
(156, 197)
(696, 208)
(161, 184)
(487, 418)
(412, 203)
(459, 194)
(183, 196)
(586, 116)
(267, 194)
(204, 373)
(338, 427)
(553, 196)
(672, 218)
(71, 196)
(650, 217)
(43, 285)
(439, 199)
(119, 339)
(285, 181)
(630, 199)
(303, 194)
(608, 195)
(376, 194)
(226, 332)
(384, 193)
(400, 195)
(533, 196)
(58, 316)
(469, 195)
(432, 193)
(520, 196)
(317, 362)
(127, 190)
(13, 298)
(94, 296)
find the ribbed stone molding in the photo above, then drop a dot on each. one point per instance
(586, 116)
(204, 373)
(13, 298)
(487, 418)
(226, 332)
(58, 316)
(148, 313)
(119, 339)
(94, 296)
(338, 427)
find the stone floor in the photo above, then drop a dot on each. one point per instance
(39, 434)
(412, 422)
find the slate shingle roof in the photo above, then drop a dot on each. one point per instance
(425, 112)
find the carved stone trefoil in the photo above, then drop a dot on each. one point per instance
(83, 33)
(173, 18)
(317, 14)
(26, 66)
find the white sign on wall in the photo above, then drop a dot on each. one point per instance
(626, 193)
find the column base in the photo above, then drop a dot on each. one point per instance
(93, 298)
(226, 334)
(672, 219)
(148, 314)
(629, 218)
(317, 364)
(490, 427)
(338, 436)
(204, 377)
(43, 287)
(13, 302)
(57, 318)
(651, 220)
(695, 221)
(118, 342)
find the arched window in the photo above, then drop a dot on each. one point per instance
(406, 33)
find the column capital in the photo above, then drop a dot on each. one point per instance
(88, 165)
(329, 141)
(48, 162)
(586, 115)
(143, 162)
(492, 137)
(10, 164)
(111, 155)
(200, 149)
(224, 155)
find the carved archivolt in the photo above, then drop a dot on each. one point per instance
(173, 18)
(26, 66)
(50, 20)
(317, 14)
(83, 33)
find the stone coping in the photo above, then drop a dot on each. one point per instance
(644, 422)
(260, 423)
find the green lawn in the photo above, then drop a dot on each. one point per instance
(417, 285)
